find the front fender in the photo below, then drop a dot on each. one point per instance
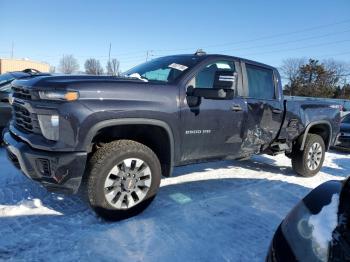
(129, 121)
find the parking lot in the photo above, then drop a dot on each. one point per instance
(218, 211)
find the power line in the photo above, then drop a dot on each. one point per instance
(287, 42)
(150, 53)
(90, 56)
(127, 54)
(261, 38)
(337, 54)
(284, 50)
(298, 48)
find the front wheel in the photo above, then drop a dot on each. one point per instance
(308, 162)
(123, 179)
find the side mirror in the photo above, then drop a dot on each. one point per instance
(194, 95)
(192, 99)
(225, 79)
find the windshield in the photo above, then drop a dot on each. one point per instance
(5, 78)
(347, 106)
(165, 69)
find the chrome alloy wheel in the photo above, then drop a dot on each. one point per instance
(127, 183)
(314, 156)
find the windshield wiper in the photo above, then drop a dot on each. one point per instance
(137, 76)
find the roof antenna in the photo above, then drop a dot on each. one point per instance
(200, 52)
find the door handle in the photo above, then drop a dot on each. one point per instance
(276, 111)
(236, 108)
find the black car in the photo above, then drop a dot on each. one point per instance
(5, 90)
(343, 139)
(317, 229)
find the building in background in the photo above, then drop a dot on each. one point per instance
(9, 64)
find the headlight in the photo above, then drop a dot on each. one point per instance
(49, 125)
(59, 95)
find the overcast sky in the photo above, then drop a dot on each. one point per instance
(266, 31)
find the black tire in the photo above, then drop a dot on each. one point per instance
(300, 158)
(100, 166)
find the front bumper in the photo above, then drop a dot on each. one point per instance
(57, 171)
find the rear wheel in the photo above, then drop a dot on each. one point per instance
(123, 179)
(308, 162)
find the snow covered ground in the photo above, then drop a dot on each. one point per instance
(218, 211)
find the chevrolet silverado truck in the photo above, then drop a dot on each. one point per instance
(120, 135)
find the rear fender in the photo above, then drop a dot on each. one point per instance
(314, 124)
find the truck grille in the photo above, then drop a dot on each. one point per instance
(24, 120)
(21, 93)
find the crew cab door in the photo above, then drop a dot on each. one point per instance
(264, 105)
(213, 127)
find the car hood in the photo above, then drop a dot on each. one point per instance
(64, 81)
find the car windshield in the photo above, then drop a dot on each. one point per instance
(347, 106)
(346, 119)
(6, 78)
(164, 70)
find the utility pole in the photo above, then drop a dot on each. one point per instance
(12, 47)
(149, 54)
(109, 53)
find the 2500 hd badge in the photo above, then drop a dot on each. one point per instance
(194, 132)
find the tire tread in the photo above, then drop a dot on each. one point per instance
(98, 162)
(299, 157)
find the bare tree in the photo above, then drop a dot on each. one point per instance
(93, 67)
(68, 64)
(290, 71)
(339, 68)
(113, 67)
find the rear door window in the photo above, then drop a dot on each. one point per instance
(260, 82)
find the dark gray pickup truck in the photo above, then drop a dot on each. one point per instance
(121, 134)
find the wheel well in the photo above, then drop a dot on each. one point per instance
(155, 137)
(322, 130)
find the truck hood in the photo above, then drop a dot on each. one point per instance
(64, 81)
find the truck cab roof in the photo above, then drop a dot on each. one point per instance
(204, 56)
